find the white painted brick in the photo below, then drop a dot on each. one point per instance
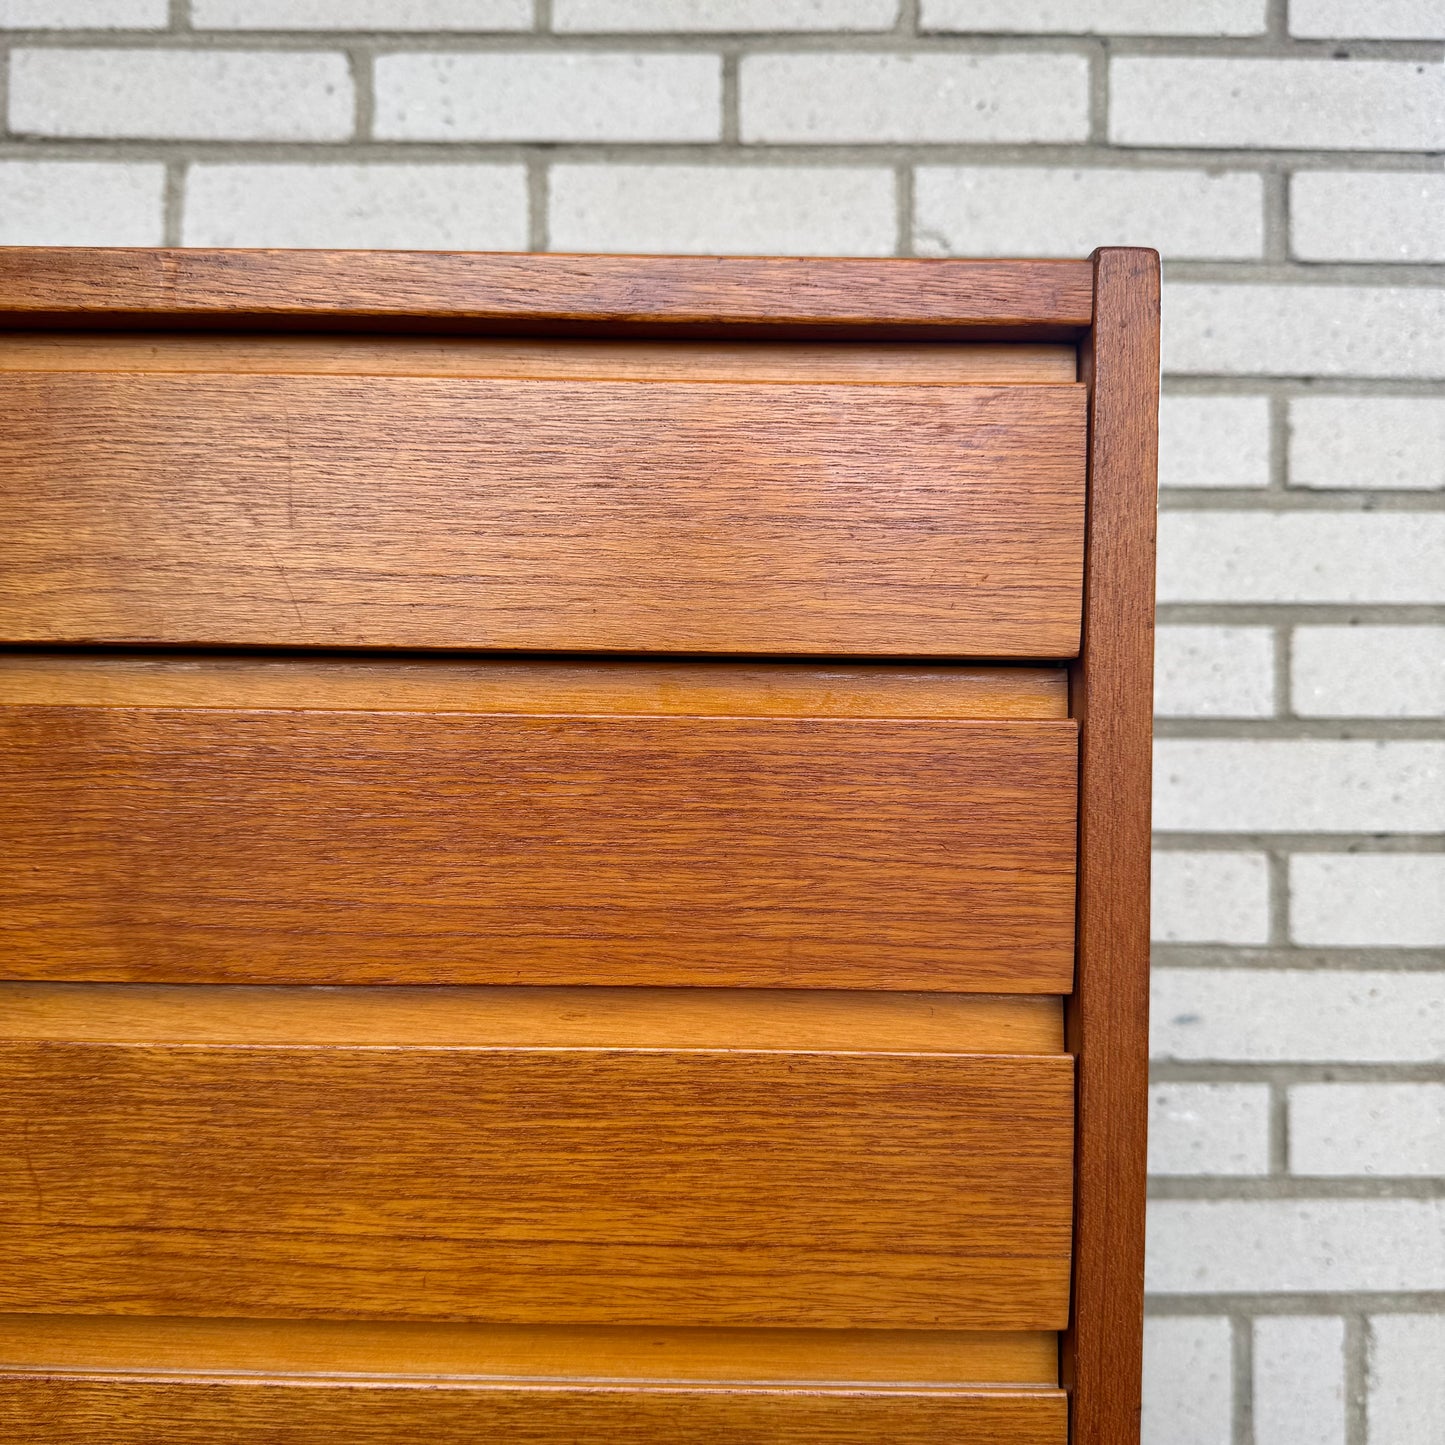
(1299, 1380)
(1391, 1130)
(1208, 1129)
(84, 14)
(1274, 785)
(1373, 20)
(1368, 672)
(1301, 556)
(1367, 442)
(1213, 672)
(1277, 104)
(81, 203)
(1364, 900)
(813, 211)
(1281, 1016)
(1355, 216)
(181, 94)
(537, 96)
(1096, 17)
(1209, 898)
(451, 15)
(1296, 1246)
(714, 16)
(1266, 330)
(1187, 1381)
(1047, 211)
(1213, 441)
(1406, 1383)
(398, 207)
(930, 97)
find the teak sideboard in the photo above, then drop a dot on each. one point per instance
(574, 839)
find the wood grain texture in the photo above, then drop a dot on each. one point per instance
(599, 1354)
(417, 291)
(916, 363)
(71, 1410)
(1108, 1015)
(176, 845)
(433, 512)
(592, 686)
(685, 1187)
(792, 1020)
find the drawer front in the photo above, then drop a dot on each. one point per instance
(496, 1180)
(120, 1410)
(759, 518)
(287, 846)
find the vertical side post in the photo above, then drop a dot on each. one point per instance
(1111, 696)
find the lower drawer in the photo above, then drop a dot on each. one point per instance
(100, 1410)
(85, 1379)
(537, 1155)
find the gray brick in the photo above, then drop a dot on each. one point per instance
(1214, 672)
(1368, 671)
(1406, 1383)
(814, 211)
(84, 14)
(1356, 216)
(864, 99)
(1208, 1129)
(1210, 898)
(1373, 20)
(1097, 17)
(1367, 442)
(1296, 1246)
(1285, 1016)
(1301, 557)
(1307, 785)
(1390, 1130)
(1299, 1380)
(81, 203)
(1268, 330)
(1187, 1381)
(1350, 900)
(717, 16)
(1277, 104)
(1213, 441)
(549, 96)
(1049, 211)
(444, 15)
(397, 207)
(181, 94)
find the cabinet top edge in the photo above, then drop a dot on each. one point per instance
(477, 292)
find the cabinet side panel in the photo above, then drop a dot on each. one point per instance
(1107, 1019)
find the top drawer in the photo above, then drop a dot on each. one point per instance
(908, 501)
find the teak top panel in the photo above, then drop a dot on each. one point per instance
(455, 513)
(591, 686)
(527, 1352)
(768, 1020)
(916, 363)
(769, 296)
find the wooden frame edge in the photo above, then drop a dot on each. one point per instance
(517, 292)
(1107, 1015)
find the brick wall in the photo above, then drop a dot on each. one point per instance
(1288, 165)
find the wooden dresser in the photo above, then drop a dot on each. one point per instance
(574, 840)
